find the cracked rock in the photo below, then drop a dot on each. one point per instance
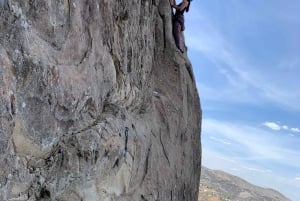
(73, 76)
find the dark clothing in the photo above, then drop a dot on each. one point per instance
(179, 16)
(179, 19)
(178, 27)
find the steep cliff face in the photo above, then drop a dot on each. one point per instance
(73, 76)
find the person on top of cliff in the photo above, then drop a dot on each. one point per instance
(178, 21)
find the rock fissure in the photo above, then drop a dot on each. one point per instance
(146, 165)
(163, 148)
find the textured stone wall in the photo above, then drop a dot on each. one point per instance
(73, 75)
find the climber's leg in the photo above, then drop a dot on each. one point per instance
(176, 32)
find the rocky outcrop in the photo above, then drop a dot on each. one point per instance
(74, 75)
(218, 185)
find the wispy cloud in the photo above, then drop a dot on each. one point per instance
(250, 144)
(243, 79)
(256, 154)
(223, 141)
(272, 125)
(260, 170)
(297, 130)
(277, 126)
(248, 65)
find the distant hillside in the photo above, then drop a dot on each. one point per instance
(220, 186)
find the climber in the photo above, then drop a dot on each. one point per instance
(178, 21)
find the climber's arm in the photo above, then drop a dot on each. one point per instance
(183, 5)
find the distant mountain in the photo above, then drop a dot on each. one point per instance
(220, 186)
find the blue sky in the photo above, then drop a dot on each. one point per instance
(246, 60)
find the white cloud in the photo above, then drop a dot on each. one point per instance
(277, 127)
(272, 125)
(297, 130)
(255, 154)
(297, 178)
(250, 144)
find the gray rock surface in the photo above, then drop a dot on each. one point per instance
(73, 75)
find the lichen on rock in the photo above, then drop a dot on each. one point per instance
(73, 75)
